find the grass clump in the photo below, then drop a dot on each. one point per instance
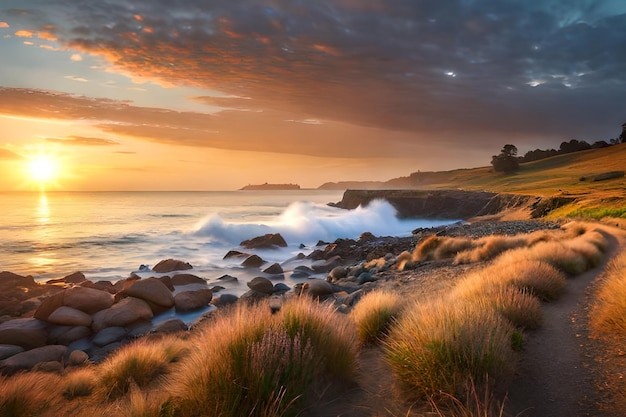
(79, 383)
(609, 312)
(251, 363)
(488, 248)
(374, 314)
(141, 363)
(439, 347)
(28, 394)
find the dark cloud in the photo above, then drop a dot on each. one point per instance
(462, 69)
(83, 141)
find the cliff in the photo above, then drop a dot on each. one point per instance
(450, 204)
(266, 187)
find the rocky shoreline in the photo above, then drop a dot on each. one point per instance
(72, 321)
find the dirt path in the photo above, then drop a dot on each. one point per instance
(556, 375)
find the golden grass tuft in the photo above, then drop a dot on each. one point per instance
(609, 312)
(538, 278)
(450, 246)
(374, 313)
(489, 247)
(251, 363)
(28, 394)
(141, 362)
(438, 347)
(79, 383)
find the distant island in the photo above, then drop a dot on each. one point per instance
(267, 186)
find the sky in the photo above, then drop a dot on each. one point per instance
(215, 95)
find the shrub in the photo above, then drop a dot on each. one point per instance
(374, 313)
(26, 394)
(609, 312)
(79, 383)
(440, 346)
(141, 362)
(252, 363)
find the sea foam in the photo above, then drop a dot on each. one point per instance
(307, 223)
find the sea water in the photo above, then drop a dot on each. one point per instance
(109, 235)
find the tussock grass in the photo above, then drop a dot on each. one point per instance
(438, 347)
(252, 363)
(538, 278)
(141, 362)
(476, 404)
(79, 383)
(374, 313)
(609, 312)
(489, 247)
(28, 394)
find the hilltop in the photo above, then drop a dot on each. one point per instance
(578, 176)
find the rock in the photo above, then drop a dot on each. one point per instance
(187, 279)
(152, 290)
(138, 328)
(280, 288)
(68, 316)
(235, 254)
(253, 296)
(224, 300)
(365, 277)
(30, 358)
(125, 312)
(9, 350)
(167, 281)
(171, 326)
(75, 278)
(53, 367)
(338, 272)
(109, 335)
(77, 358)
(28, 333)
(9, 281)
(217, 288)
(49, 305)
(228, 278)
(89, 300)
(326, 266)
(274, 269)
(169, 265)
(262, 285)
(317, 288)
(268, 241)
(302, 271)
(253, 261)
(192, 300)
(66, 335)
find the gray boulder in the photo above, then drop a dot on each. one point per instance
(77, 358)
(9, 350)
(262, 285)
(30, 358)
(28, 333)
(109, 335)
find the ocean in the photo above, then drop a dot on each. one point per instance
(109, 235)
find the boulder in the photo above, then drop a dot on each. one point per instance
(274, 269)
(9, 350)
(224, 300)
(324, 266)
(68, 316)
(55, 367)
(125, 312)
(187, 279)
(77, 358)
(302, 271)
(317, 288)
(262, 285)
(268, 241)
(28, 333)
(89, 300)
(228, 278)
(66, 335)
(75, 278)
(109, 335)
(30, 358)
(152, 290)
(280, 288)
(338, 272)
(9, 281)
(253, 261)
(169, 265)
(171, 326)
(49, 305)
(167, 281)
(235, 254)
(192, 300)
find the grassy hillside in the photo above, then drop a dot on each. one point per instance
(557, 176)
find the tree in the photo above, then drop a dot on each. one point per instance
(507, 160)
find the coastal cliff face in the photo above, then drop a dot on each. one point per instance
(440, 204)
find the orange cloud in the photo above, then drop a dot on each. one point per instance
(24, 33)
(4, 25)
(47, 36)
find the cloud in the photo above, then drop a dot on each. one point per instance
(7, 155)
(24, 34)
(83, 141)
(4, 25)
(373, 63)
(76, 57)
(75, 78)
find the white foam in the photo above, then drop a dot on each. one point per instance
(307, 223)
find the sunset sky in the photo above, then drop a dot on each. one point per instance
(217, 94)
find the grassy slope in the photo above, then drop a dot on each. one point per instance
(556, 176)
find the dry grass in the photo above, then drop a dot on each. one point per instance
(141, 363)
(489, 247)
(609, 312)
(476, 404)
(79, 383)
(374, 313)
(438, 347)
(27, 394)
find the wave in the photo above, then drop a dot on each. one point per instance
(308, 223)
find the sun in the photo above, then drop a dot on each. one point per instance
(43, 168)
